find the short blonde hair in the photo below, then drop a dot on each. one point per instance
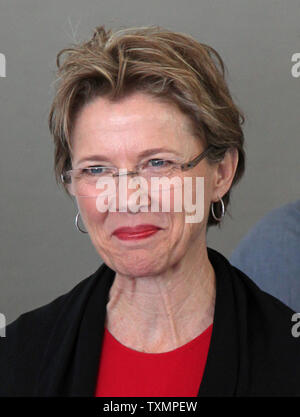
(169, 65)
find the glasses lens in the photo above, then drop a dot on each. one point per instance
(162, 176)
(93, 182)
(92, 186)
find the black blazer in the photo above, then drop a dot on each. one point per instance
(54, 350)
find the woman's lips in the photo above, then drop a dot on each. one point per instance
(138, 232)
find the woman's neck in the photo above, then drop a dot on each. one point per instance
(160, 313)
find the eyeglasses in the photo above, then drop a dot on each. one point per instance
(82, 181)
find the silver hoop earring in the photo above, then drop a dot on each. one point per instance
(77, 224)
(218, 219)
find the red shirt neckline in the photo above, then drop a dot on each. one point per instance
(125, 372)
(189, 345)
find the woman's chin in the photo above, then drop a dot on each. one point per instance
(138, 267)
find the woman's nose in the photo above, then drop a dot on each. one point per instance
(132, 193)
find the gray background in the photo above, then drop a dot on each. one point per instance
(42, 255)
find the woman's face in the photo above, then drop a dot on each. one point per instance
(121, 132)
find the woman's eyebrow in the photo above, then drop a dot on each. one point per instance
(144, 153)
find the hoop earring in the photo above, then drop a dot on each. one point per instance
(77, 224)
(218, 219)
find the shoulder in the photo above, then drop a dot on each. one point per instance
(269, 253)
(282, 215)
(279, 224)
(42, 317)
(256, 301)
(25, 340)
(265, 330)
(272, 331)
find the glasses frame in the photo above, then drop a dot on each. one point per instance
(184, 167)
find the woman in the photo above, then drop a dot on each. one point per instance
(164, 315)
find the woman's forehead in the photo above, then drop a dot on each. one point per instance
(136, 122)
(136, 111)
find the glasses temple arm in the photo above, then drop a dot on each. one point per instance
(195, 161)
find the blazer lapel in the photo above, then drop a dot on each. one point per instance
(221, 370)
(88, 348)
(70, 363)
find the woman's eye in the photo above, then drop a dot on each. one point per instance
(159, 163)
(94, 170)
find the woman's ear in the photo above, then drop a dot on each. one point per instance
(224, 173)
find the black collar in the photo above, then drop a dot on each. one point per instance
(71, 361)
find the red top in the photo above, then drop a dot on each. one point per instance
(125, 372)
